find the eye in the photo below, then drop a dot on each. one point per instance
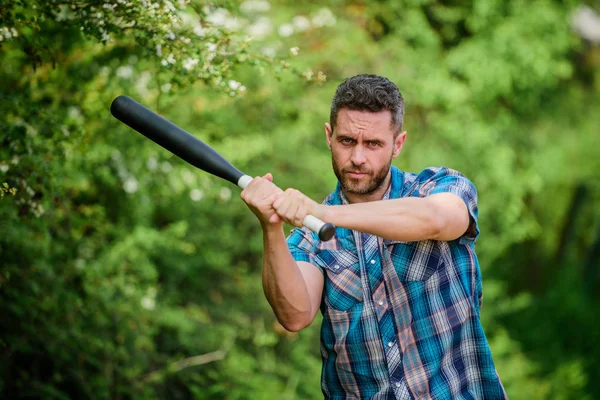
(373, 143)
(346, 141)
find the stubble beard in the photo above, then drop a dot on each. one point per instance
(362, 186)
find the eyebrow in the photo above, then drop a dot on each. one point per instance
(342, 136)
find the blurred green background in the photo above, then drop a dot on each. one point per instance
(126, 273)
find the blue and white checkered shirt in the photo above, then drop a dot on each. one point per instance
(401, 319)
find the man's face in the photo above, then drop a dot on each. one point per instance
(362, 146)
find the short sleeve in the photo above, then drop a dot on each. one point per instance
(303, 246)
(446, 180)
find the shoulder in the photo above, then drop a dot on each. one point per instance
(432, 173)
(430, 178)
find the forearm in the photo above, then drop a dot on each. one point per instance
(283, 283)
(406, 219)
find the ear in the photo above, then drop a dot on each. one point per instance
(328, 134)
(398, 143)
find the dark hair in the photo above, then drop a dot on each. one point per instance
(368, 93)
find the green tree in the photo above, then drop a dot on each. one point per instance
(126, 274)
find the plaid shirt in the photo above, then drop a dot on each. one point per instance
(401, 319)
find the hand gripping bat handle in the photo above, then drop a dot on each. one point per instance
(192, 150)
(326, 230)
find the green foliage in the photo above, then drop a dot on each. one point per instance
(124, 273)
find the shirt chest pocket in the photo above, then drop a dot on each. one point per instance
(415, 261)
(343, 287)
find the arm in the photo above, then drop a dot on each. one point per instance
(441, 216)
(293, 289)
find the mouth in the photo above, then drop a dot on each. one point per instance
(356, 174)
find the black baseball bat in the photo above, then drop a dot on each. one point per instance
(192, 150)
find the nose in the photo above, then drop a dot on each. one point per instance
(358, 156)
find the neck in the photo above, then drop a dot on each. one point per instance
(377, 194)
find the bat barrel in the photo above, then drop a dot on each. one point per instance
(173, 138)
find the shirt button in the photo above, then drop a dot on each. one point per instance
(397, 384)
(390, 344)
(372, 261)
(336, 267)
(380, 303)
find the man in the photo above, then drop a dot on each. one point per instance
(399, 285)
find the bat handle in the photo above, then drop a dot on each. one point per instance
(326, 230)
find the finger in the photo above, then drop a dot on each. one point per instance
(268, 177)
(282, 205)
(275, 219)
(300, 215)
(280, 198)
(290, 212)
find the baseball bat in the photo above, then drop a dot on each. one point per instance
(192, 150)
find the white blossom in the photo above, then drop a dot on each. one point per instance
(324, 17)
(170, 35)
(196, 194)
(187, 176)
(104, 71)
(286, 30)
(37, 209)
(6, 33)
(301, 23)
(261, 28)
(199, 31)
(166, 167)
(124, 71)
(255, 6)
(148, 303)
(75, 112)
(268, 51)
(130, 185)
(190, 63)
(586, 22)
(64, 13)
(165, 88)
(141, 84)
(218, 17)
(152, 163)
(294, 51)
(225, 194)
